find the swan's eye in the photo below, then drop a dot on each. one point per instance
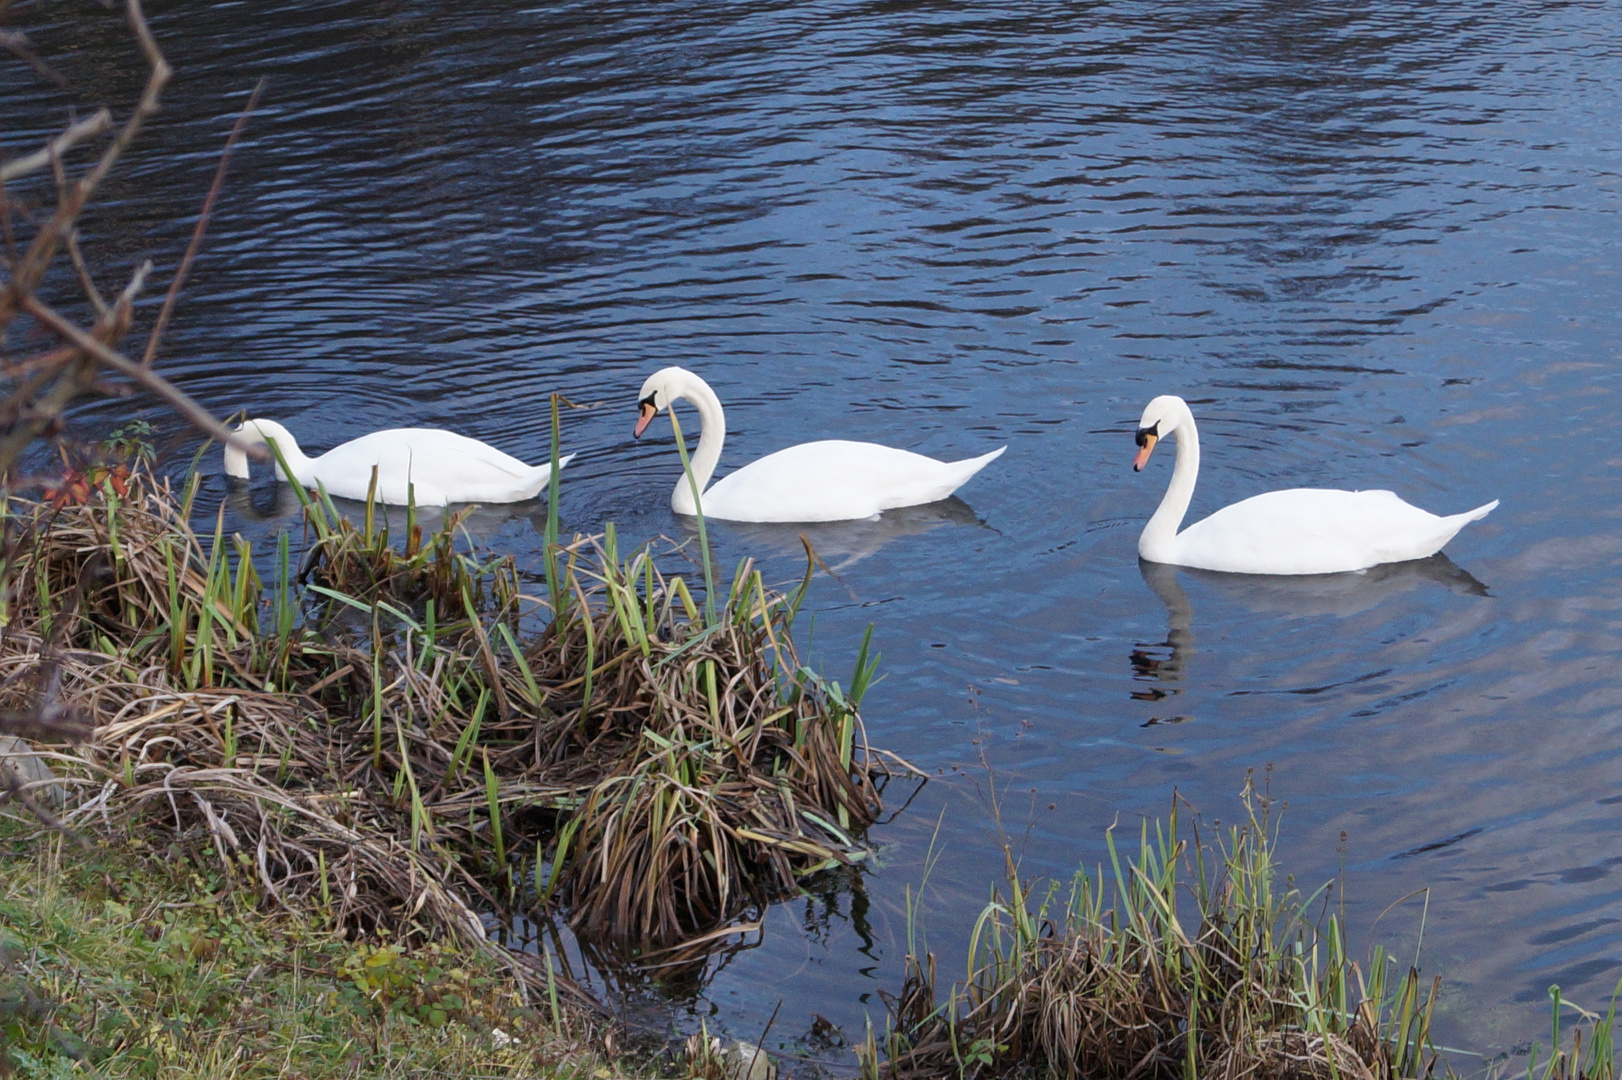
(1147, 433)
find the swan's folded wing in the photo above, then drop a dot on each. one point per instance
(423, 451)
(447, 445)
(441, 465)
(834, 480)
(1310, 531)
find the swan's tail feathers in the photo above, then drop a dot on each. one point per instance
(543, 473)
(980, 462)
(1450, 526)
(956, 475)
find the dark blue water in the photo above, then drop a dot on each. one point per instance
(1374, 245)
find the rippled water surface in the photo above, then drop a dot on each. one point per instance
(1373, 244)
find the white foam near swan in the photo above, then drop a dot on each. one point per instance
(830, 480)
(1298, 531)
(427, 465)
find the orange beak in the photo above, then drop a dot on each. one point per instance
(1144, 451)
(649, 411)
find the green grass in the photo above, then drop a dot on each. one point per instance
(122, 961)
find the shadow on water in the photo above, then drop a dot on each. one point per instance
(842, 544)
(269, 503)
(642, 990)
(1290, 596)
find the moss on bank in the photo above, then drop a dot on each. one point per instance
(139, 962)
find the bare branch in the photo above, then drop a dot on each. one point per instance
(18, 43)
(30, 269)
(43, 725)
(85, 280)
(84, 129)
(182, 403)
(202, 227)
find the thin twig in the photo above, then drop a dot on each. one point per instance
(84, 129)
(182, 403)
(85, 280)
(30, 269)
(13, 788)
(17, 42)
(202, 227)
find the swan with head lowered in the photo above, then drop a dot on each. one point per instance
(830, 480)
(427, 465)
(1298, 531)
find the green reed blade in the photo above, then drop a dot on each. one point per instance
(532, 689)
(467, 738)
(551, 978)
(550, 539)
(377, 698)
(420, 819)
(591, 654)
(189, 495)
(862, 677)
(560, 858)
(492, 793)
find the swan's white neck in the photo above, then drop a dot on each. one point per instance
(256, 432)
(713, 432)
(1160, 535)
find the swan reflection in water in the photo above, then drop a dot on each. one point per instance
(844, 543)
(1341, 595)
(276, 501)
(838, 543)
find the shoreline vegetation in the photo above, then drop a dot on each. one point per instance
(398, 743)
(391, 746)
(379, 732)
(119, 958)
(1197, 958)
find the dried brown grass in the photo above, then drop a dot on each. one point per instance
(381, 746)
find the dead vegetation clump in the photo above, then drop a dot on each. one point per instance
(1189, 961)
(370, 735)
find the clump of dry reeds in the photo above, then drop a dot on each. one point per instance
(379, 741)
(1191, 961)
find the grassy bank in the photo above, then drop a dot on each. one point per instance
(136, 961)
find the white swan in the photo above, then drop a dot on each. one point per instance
(831, 480)
(1299, 531)
(438, 467)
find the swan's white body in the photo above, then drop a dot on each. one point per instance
(830, 480)
(1298, 531)
(427, 465)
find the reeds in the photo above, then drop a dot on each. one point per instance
(396, 732)
(1191, 960)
